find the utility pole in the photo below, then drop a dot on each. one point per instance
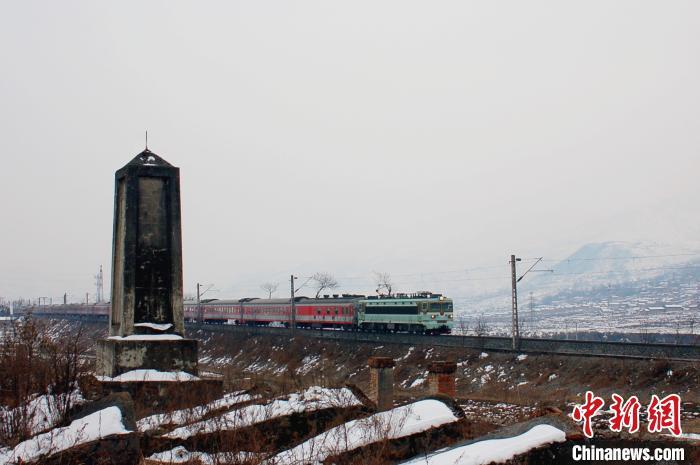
(99, 286)
(515, 280)
(532, 314)
(515, 331)
(200, 313)
(293, 304)
(200, 307)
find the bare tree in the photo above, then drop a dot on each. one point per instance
(324, 281)
(463, 324)
(270, 288)
(40, 366)
(481, 328)
(384, 282)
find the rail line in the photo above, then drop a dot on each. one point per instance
(632, 350)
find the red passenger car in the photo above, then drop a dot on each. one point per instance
(327, 312)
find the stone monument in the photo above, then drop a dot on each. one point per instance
(146, 321)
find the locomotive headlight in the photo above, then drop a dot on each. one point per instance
(449, 316)
(432, 316)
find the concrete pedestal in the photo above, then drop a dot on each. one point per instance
(381, 382)
(441, 378)
(117, 356)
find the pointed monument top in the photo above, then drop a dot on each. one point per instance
(148, 158)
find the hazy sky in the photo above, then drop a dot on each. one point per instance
(407, 137)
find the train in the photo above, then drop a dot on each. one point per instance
(418, 313)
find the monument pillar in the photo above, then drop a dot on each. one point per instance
(146, 321)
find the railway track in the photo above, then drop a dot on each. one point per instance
(490, 343)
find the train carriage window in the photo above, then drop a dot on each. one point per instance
(392, 310)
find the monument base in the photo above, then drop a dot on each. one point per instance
(161, 396)
(116, 356)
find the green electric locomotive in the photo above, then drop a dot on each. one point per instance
(423, 312)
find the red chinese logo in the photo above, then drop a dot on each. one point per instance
(625, 414)
(663, 414)
(587, 411)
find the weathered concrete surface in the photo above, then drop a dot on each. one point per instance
(163, 396)
(147, 246)
(146, 272)
(115, 356)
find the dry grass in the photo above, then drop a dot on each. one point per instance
(35, 361)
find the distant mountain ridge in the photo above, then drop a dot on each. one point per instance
(591, 267)
(614, 262)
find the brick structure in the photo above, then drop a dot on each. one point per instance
(441, 378)
(381, 381)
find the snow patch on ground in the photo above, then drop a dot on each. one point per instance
(687, 436)
(147, 337)
(493, 450)
(417, 382)
(308, 363)
(398, 422)
(483, 355)
(90, 428)
(42, 412)
(314, 398)
(182, 455)
(521, 357)
(408, 354)
(181, 417)
(150, 375)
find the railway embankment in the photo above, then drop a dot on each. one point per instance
(499, 385)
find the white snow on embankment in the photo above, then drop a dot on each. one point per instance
(147, 337)
(314, 398)
(42, 412)
(184, 416)
(150, 375)
(493, 450)
(395, 423)
(182, 455)
(89, 428)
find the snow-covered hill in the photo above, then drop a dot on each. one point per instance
(593, 272)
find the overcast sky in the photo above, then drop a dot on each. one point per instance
(404, 136)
